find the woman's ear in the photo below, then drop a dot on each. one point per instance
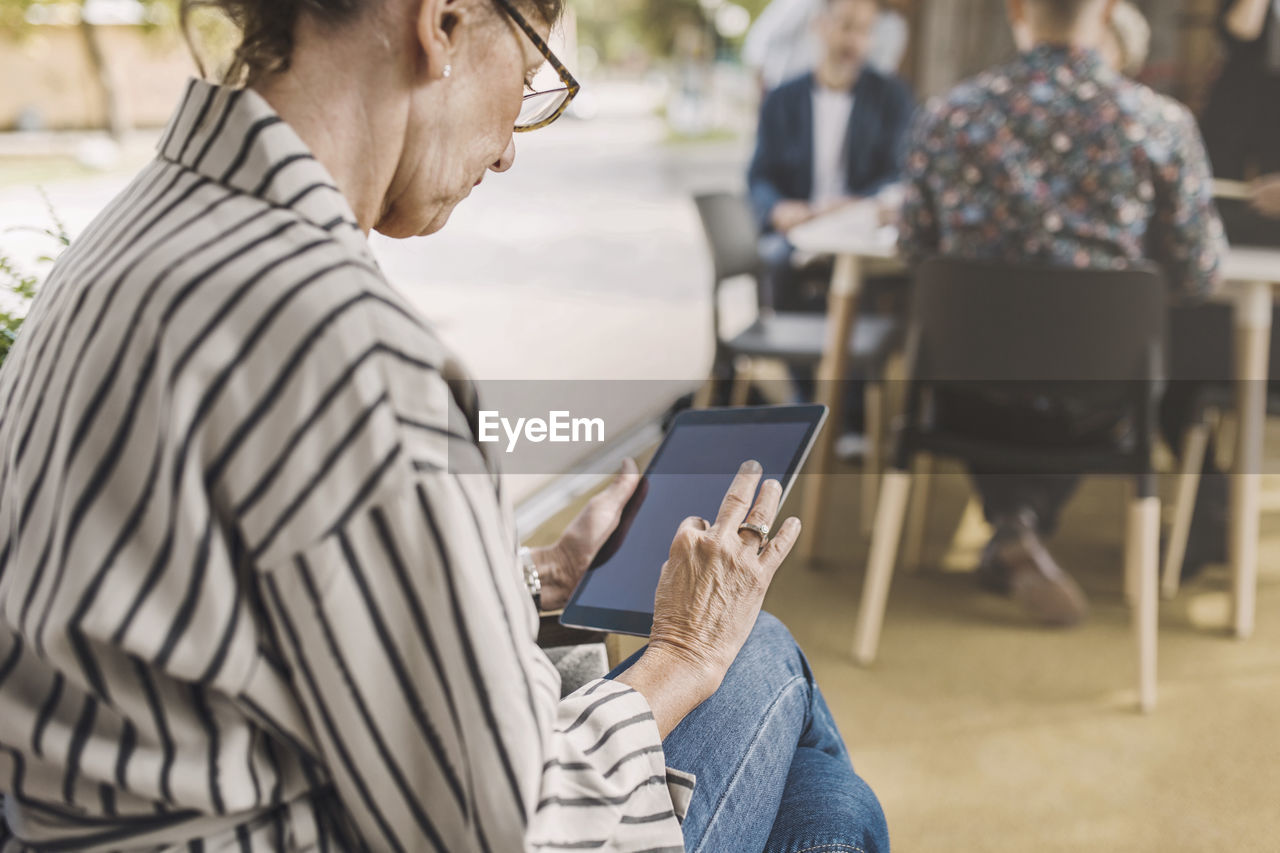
(437, 33)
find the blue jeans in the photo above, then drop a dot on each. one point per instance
(773, 772)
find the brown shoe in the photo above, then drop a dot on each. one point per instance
(992, 574)
(1015, 563)
(1036, 581)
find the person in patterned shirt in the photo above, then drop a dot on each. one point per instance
(1057, 158)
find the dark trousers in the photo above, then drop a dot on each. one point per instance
(1036, 422)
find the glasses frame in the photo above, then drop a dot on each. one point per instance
(571, 86)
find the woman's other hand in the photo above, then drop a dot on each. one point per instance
(1245, 19)
(1264, 195)
(710, 593)
(561, 566)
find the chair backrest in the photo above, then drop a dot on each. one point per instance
(731, 232)
(992, 322)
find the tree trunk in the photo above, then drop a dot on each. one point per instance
(106, 86)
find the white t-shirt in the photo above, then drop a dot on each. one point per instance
(831, 111)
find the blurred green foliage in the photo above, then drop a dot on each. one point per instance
(13, 16)
(19, 285)
(23, 287)
(13, 13)
(620, 29)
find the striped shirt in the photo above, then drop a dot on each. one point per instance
(258, 583)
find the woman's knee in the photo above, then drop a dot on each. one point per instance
(770, 638)
(827, 808)
(770, 654)
(769, 633)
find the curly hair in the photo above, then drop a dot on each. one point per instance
(267, 28)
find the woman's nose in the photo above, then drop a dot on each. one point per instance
(507, 159)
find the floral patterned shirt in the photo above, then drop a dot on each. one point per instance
(1056, 158)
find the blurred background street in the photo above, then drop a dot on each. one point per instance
(598, 209)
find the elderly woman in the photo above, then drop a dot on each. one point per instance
(259, 587)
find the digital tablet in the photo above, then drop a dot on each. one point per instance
(688, 475)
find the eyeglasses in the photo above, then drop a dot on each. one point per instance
(541, 108)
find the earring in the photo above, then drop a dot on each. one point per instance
(448, 71)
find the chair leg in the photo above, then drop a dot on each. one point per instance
(918, 513)
(884, 546)
(1143, 553)
(873, 462)
(705, 394)
(1193, 450)
(895, 380)
(1132, 576)
(742, 377)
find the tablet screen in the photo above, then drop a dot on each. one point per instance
(689, 476)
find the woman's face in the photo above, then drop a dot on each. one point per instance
(461, 126)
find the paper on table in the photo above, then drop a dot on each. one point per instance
(854, 228)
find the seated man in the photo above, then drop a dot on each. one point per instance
(1054, 158)
(824, 138)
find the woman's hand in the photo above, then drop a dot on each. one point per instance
(1264, 195)
(710, 593)
(561, 566)
(1246, 18)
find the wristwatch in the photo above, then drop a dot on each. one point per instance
(531, 578)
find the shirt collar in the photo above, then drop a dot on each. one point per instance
(234, 137)
(1085, 62)
(817, 87)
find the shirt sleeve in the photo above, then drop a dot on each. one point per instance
(918, 233)
(410, 638)
(1186, 236)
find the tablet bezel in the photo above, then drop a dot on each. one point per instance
(640, 623)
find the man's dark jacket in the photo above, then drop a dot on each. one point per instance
(782, 167)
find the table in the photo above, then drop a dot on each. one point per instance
(849, 233)
(1253, 277)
